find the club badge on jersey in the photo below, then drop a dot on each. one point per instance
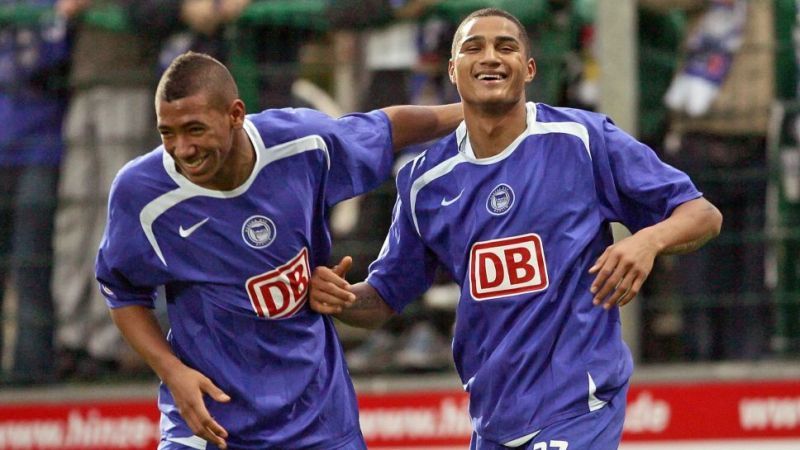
(258, 231)
(500, 200)
(508, 266)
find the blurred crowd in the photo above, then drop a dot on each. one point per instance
(76, 103)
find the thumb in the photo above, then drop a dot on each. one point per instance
(214, 392)
(343, 267)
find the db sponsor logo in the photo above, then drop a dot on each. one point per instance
(280, 293)
(508, 266)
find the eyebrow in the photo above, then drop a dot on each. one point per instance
(183, 125)
(499, 39)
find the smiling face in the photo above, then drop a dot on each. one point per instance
(490, 64)
(199, 135)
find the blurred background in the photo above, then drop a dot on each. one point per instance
(710, 85)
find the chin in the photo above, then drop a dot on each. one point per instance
(495, 106)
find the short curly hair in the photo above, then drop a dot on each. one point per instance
(192, 73)
(492, 12)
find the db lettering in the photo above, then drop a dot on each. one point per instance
(508, 266)
(281, 292)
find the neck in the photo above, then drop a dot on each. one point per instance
(491, 131)
(242, 160)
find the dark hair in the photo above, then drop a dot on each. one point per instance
(493, 12)
(192, 73)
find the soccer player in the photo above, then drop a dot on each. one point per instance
(516, 205)
(229, 214)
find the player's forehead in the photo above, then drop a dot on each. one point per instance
(195, 107)
(489, 28)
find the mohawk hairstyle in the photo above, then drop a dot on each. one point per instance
(493, 12)
(192, 73)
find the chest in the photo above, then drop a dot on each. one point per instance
(540, 192)
(232, 238)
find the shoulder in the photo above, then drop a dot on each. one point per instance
(595, 129)
(141, 180)
(438, 154)
(286, 124)
(549, 114)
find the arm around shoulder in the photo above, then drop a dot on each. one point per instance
(413, 124)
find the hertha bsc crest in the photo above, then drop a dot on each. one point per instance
(500, 200)
(258, 231)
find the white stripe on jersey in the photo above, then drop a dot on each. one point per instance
(534, 128)
(594, 402)
(186, 189)
(441, 169)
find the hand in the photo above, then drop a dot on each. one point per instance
(330, 292)
(187, 387)
(621, 270)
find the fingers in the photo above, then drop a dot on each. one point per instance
(203, 425)
(214, 392)
(635, 288)
(328, 287)
(209, 428)
(616, 282)
(325, 303)
(343, 267)
(330, 292)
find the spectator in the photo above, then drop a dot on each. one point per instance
(720, 100)
(33, 59)
(108, 123)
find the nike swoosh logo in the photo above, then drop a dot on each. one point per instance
(188, 231)
(446, 202)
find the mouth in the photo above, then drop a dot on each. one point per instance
(194, 163)
(491, 77)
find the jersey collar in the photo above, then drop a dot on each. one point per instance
(184, 183)
(465, 147)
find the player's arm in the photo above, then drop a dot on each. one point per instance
(623, 267)
(139, 327)
(358, 305)
(418, 124)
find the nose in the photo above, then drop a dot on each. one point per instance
(183, 147)
(490, 55)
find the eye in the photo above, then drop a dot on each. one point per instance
(165, 134)
(196, 131)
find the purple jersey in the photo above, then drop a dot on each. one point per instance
(518, 232)
(236, 266)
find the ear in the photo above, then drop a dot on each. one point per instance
(451, 71)
(531, 70)
(236, 113)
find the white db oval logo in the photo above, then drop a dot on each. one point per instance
(508, 266)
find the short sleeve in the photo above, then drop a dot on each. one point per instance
(361, 154)
(124, 260)
(634, 186)
(405, 267)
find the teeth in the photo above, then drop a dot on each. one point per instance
(489, 77)
(195, 163)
